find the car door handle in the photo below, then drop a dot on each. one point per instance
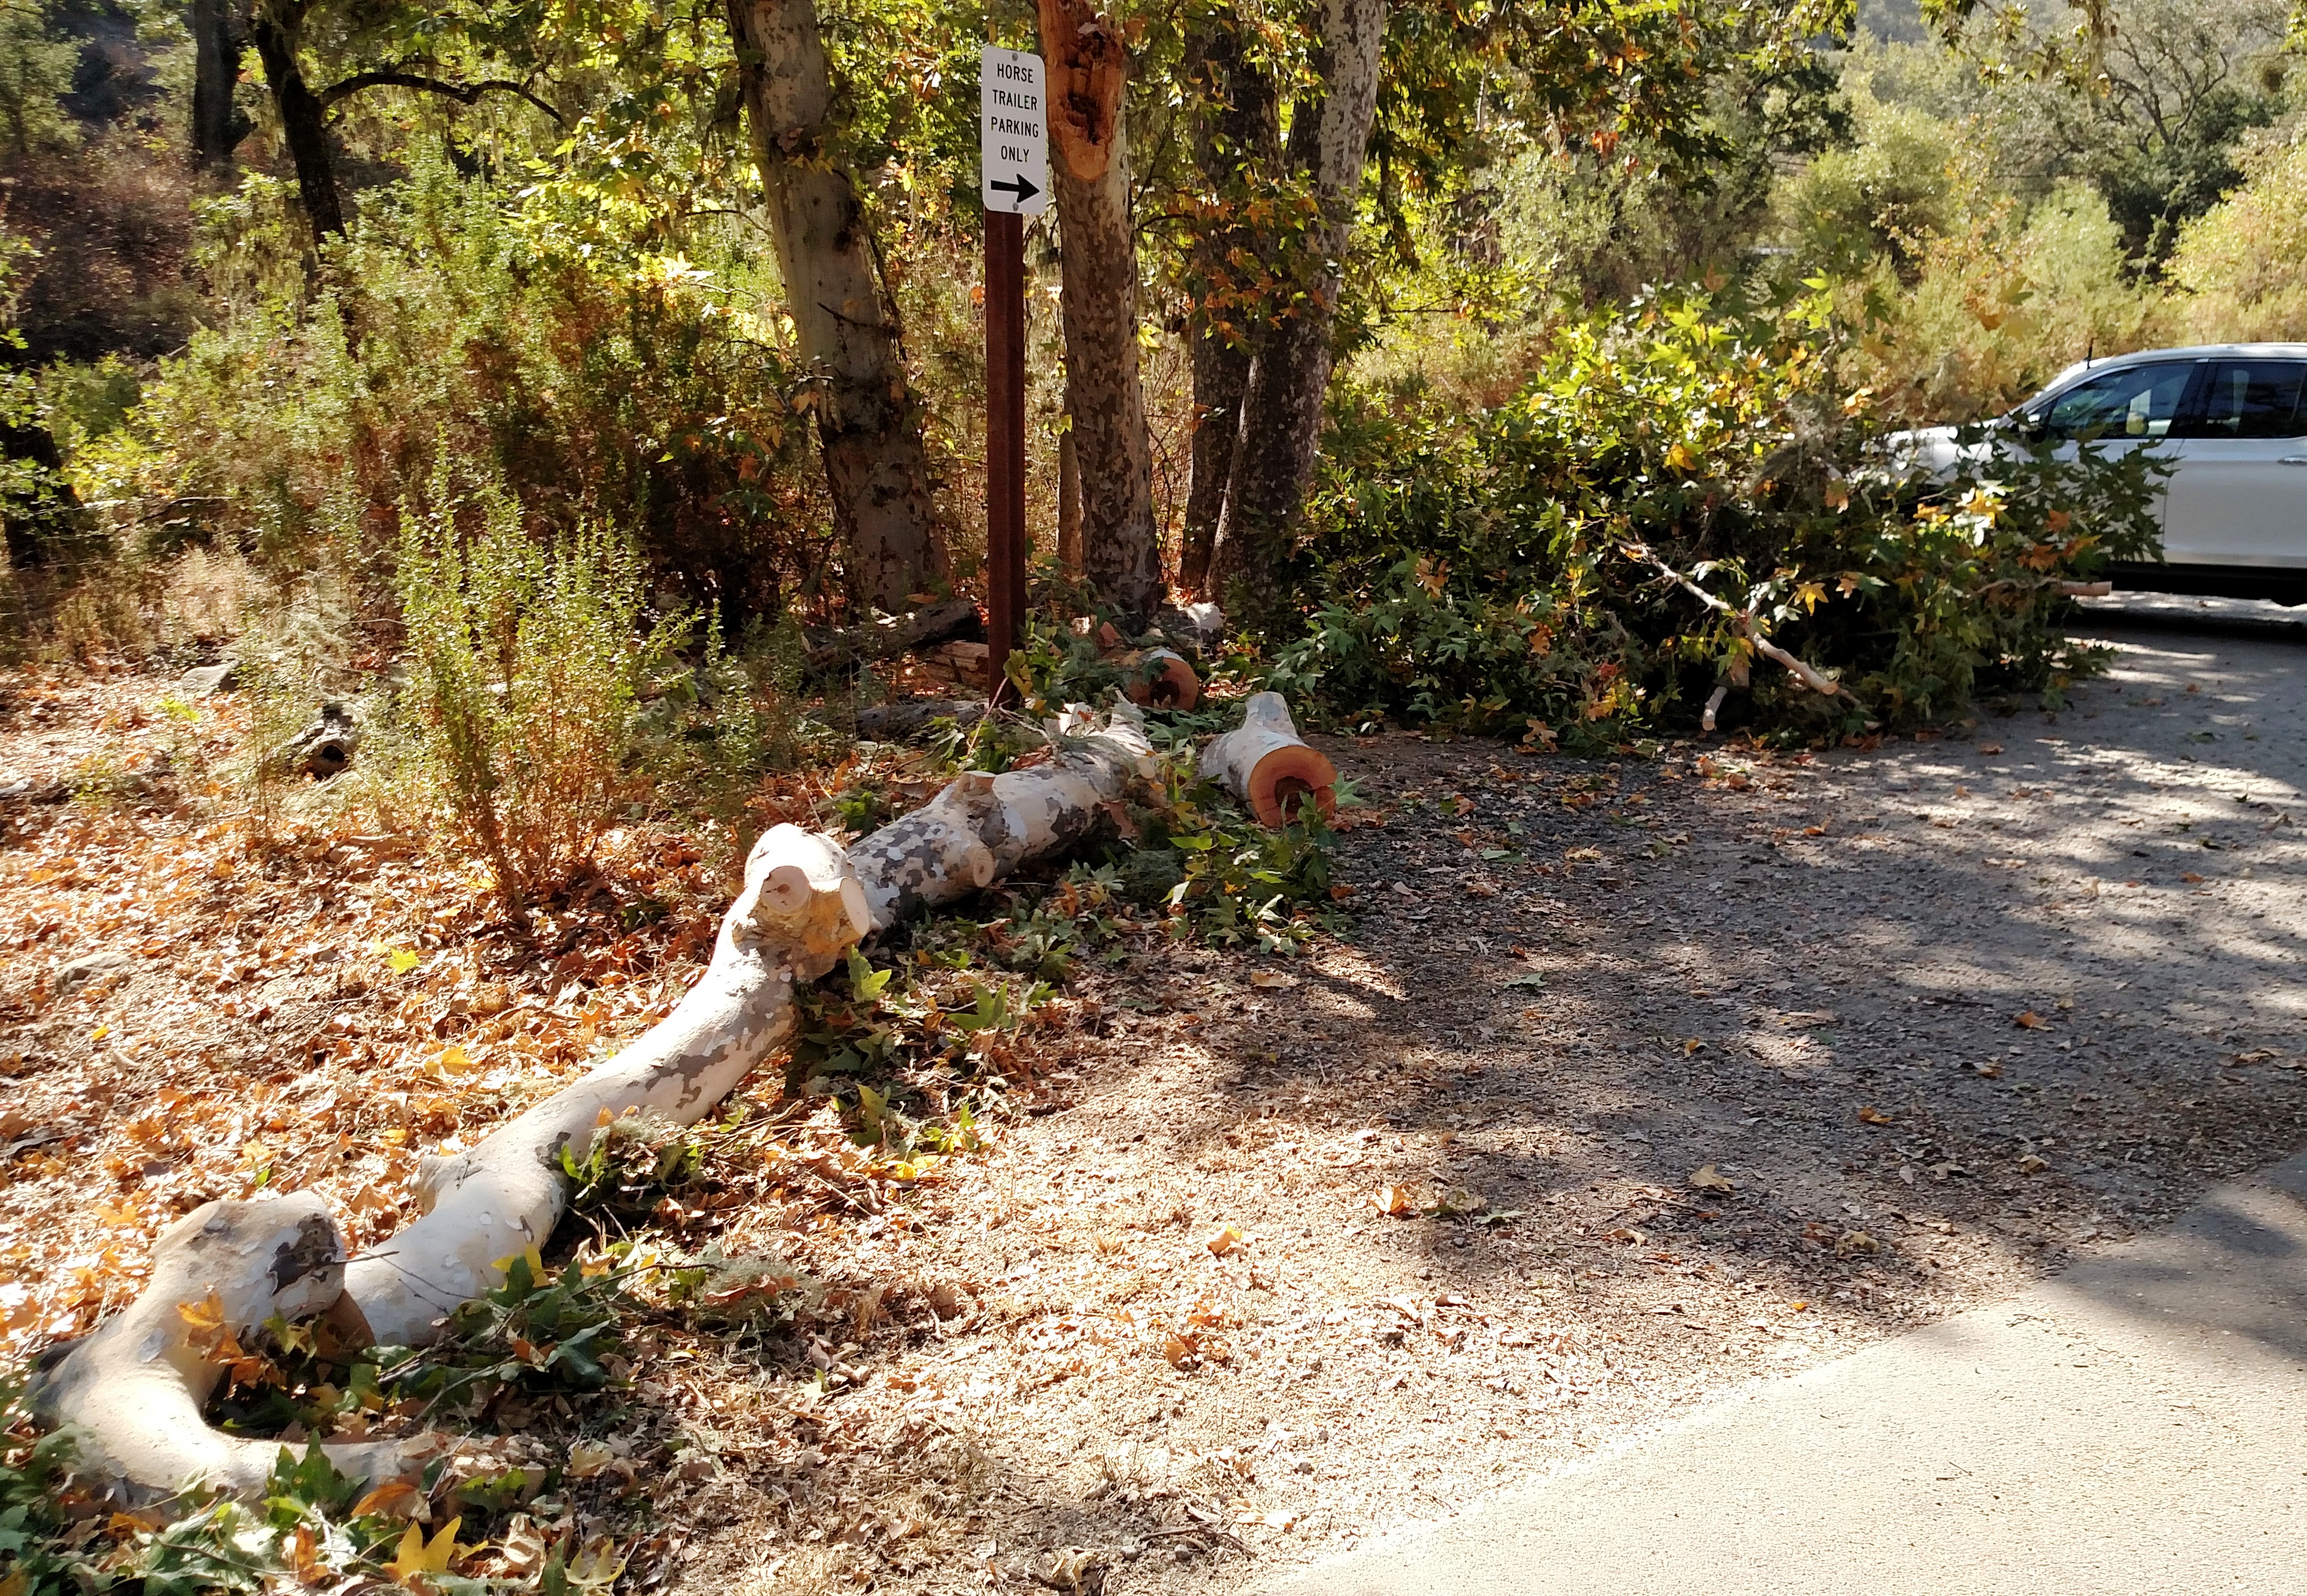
(2292, 459)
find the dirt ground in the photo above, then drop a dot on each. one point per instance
(1941, 1014)
(1634, 1081)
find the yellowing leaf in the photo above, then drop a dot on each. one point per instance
(1707, 1177)
(2030, 1020)
(595, 1567)
(305, 1557)
(1224, 1241)
(204, 1320)
(418, 1557)
(454, 1062)
(1874, 1116)
(587, 1459)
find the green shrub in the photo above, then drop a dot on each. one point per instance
(592, 379)
(526, 665)
(1538, 565)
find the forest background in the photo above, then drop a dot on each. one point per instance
(1455, 348)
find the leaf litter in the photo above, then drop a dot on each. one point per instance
(1030, 1358)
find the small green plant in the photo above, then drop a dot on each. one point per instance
(541, 1333)
(527, 662)
(633, 1164)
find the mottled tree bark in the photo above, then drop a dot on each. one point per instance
(273, 30)
(867, 423)
(220, 39)
(1237, 139)
(137, 1382)
(1289, 370)
(1069, 512)
(1220, 376)
(1088, 69)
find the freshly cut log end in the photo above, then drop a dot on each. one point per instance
(1160, 679)
(1265, 764)
(137, 1383)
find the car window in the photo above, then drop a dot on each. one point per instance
(2140, 401)
(2251, 398)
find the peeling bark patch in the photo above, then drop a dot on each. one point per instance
(1088, 68)
(315, 1247)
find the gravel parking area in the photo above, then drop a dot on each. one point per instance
(1638, 1080)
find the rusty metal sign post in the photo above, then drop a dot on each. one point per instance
(1014, 179)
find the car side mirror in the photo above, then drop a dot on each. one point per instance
(2029, 428)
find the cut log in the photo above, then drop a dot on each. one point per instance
(965, 664)
(981, 826)
(325, 748)
(800, 911)
(898, 723)
(885, 640)
(136, 1384)
(1160, 679)
(1265, 764)
(202, 681)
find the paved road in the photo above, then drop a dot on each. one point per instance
(2137, 1424)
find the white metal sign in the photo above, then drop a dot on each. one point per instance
(1014, 134)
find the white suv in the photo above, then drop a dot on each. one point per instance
(2232, 421)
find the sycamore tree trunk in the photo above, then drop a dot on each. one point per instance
(218, 126)
(137, 1384)
(1088, 69)
(867, 423)
(1237, 138)
(274, 29)
(1290, 371)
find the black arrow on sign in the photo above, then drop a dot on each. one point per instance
(1023, 189)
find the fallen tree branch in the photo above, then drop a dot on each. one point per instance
(1801, 669)
(1265, 764)
(897, 723)
(983, 827)
(137, 1384)
(885, 640)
